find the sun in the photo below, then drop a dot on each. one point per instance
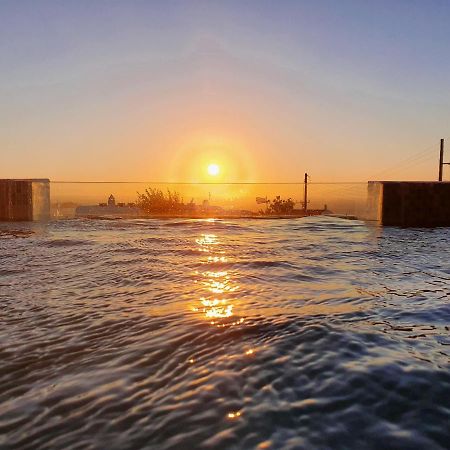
(213, 170)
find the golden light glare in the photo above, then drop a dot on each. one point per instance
(213, 170)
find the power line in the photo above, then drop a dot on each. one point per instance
(235, 183)
(404, 162)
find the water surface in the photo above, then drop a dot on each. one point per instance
(183, 334)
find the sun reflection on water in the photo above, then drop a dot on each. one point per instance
(234, 415)
(217, 286)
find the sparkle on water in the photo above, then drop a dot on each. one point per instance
(183, 334)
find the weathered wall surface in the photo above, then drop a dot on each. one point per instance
(24, 200)
(41, 199)
(374, 201)
(409, 204)
(15, 200)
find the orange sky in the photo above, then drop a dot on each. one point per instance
(158, 93)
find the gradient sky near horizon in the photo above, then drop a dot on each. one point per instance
(148, 90)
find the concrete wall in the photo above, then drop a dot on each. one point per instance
(409, 203)
(41, 199)
(374, 201)
(24, 199)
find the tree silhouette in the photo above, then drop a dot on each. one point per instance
(155, 201)
(280, 206)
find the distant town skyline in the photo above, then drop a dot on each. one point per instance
(261, 90)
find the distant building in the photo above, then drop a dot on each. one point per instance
(109, 209)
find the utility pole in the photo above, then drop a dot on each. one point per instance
(441, 160)
(305, 197)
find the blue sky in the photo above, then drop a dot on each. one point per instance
(144, 90)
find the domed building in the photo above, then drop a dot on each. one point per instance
(110, 209)
(111, 200)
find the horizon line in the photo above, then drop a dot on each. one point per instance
(207, 182)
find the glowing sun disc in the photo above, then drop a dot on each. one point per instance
(213, 169)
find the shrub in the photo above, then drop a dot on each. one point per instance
(155, 201)
(280, 206)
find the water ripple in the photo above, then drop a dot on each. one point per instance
(169, 334)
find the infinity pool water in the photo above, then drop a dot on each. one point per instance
(309, 333)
